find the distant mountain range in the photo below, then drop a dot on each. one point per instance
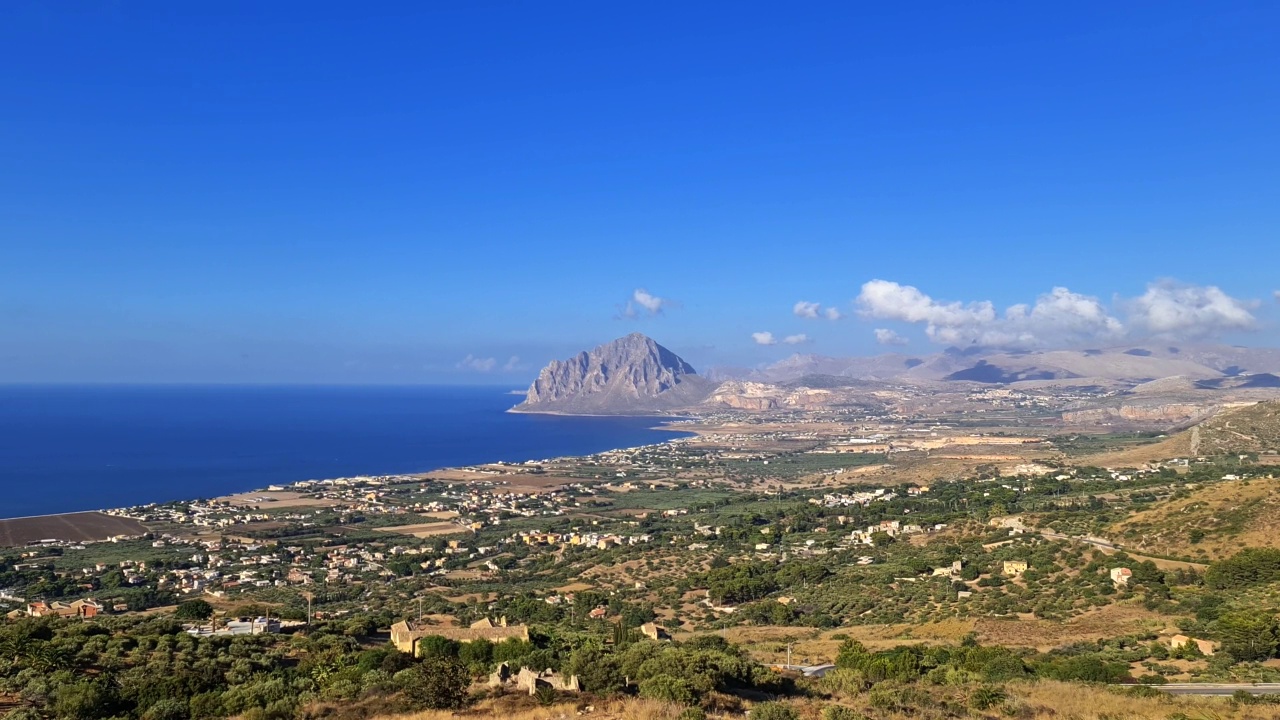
(1128, 365)
(1145, 383)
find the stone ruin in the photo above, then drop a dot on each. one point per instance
(530, 681)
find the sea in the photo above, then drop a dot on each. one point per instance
(73, 448)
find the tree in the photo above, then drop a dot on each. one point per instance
(1249, 635)
(599, 672)
(437, 683)
(667, 689)
(194, 610)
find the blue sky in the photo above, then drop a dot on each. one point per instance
(420, 192)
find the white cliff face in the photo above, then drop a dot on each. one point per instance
(631, 374)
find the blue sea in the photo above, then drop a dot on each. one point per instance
(65, 448)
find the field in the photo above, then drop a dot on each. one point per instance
(278, 500)
(71, 527)
(425, 530)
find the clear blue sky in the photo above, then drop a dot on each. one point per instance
(339, 192)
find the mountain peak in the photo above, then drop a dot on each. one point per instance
(632, 374)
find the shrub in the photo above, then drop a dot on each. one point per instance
(1143, 691)
(986, 697)
(839, 712)
(667, 689)
(692, 713)
(169, 709)
(436, 683)
(773, 711)
(843, 681)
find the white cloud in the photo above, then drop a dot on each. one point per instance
(643, 302)
(806, 309)
(1277, 295)
(764, 338)
(648, 301)
(1060, 317)
(813, 311)
(800, 339)
(1169, 309)
(477, 364)
(885, 336)
(513, 363)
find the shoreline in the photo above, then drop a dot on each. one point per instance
(665, 426)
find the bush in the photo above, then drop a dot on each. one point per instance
(843, 681)
(436, 683)
(838, 712)
(692, 713)
(1143, 691)
(987, 697)
(773, 711)
(667, 689)
(171, 709)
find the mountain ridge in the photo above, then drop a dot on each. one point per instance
(629, 375)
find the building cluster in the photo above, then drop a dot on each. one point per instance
(600, 541)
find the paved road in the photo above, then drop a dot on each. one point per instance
(1218, 688)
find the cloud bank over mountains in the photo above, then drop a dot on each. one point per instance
(1058, 318)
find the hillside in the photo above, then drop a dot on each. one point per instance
(1214, 522)
(1250, 429)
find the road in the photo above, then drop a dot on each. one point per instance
(1218, 688)
(1089, 541)
(1108, 545)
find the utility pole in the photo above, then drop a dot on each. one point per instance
(308, 595)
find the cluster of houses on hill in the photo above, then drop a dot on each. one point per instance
(892, 528)
(601, 541)
(859, 498)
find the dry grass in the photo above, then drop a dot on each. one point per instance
(1042, 700)
(513, 710)
(1232, 514)
(1048, 699)
(1108, 621)
(768, 643)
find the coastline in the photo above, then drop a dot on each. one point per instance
(665, 424)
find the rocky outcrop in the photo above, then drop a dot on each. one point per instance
(745, 395)
(630, 375)
(1160, 415)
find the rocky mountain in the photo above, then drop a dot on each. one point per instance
(631, 375)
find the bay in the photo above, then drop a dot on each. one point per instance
(71, 448)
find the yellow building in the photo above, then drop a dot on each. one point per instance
(1013, 568)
